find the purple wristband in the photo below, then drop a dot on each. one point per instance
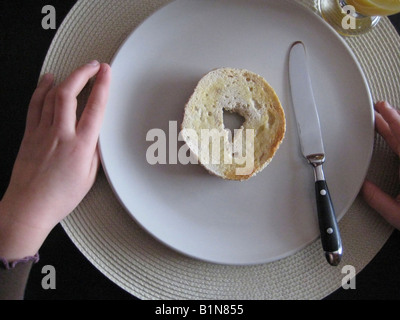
(10, 265)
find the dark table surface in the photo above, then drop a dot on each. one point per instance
(23, 47)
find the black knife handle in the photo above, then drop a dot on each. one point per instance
(330, 235)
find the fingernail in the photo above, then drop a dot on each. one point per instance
(93, 63)
(387, 105)
(104, 68)
(382, 104)
(46, 78)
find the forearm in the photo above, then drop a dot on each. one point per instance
(13, 281)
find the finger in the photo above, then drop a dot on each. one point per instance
(391, 116)
(388, 207)
(384, 130)
(47, 115)
(37, 101)
(95, 165)
(92, 116)
(67, 92)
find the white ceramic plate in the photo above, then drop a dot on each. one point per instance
(273, 214)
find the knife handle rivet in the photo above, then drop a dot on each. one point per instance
(322, 192)
(329, 231)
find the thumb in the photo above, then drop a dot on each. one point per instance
(388, 207)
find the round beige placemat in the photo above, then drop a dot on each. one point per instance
(122, 251)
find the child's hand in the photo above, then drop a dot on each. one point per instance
(57, 162)
(388, 126)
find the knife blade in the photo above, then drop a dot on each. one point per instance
(312, 148)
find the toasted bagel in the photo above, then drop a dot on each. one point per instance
(251, 148)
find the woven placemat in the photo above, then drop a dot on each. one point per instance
(126, 254)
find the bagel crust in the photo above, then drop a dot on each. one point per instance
(247, 151)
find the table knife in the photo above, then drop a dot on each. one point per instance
(312, 148)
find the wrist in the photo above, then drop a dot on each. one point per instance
(17, 238)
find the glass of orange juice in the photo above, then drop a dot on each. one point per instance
(355, 17)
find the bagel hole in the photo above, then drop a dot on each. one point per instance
(232, 121)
